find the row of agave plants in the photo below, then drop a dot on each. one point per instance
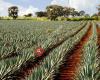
(90, 63)
(8, 66)
(6, 51)
(27, 39)
(51, 63)
(89, 67)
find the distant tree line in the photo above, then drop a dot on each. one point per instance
(52, 12)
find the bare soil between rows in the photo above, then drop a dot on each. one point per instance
(71, 62)
(98, 44)
(98, 36)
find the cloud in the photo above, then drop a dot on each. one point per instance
(59, 2)
(5, 5)
(89, 6)
(30, 9)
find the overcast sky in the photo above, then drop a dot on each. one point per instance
(32, 6)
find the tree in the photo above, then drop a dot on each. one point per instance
(82, 13)
(72, 11)
(13, 12)
(29, 15)
(54, 11)
(87, 15)
(75, 13)
(41, 14)
(99, 10)
(95, 15)
(66, 11)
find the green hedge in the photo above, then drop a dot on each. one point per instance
(77, 19)
(58, 19)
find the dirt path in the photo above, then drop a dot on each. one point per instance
(98, 35)
(69, 67)
(30, 64)
(98, 44)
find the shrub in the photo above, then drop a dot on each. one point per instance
(61, 18)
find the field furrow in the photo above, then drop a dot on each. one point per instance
(98, 44)
(69, 67)
(98, 33)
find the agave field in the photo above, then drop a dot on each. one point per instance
(49, 50)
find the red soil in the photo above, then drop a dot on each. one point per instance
(69, 68)
(98, 44)
(98, 33)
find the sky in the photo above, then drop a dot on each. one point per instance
(32, 6)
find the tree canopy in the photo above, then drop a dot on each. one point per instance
(41, 14)
(82, 13)
(99, 10)
(53, 11)
(13, 12)
(29, 15)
